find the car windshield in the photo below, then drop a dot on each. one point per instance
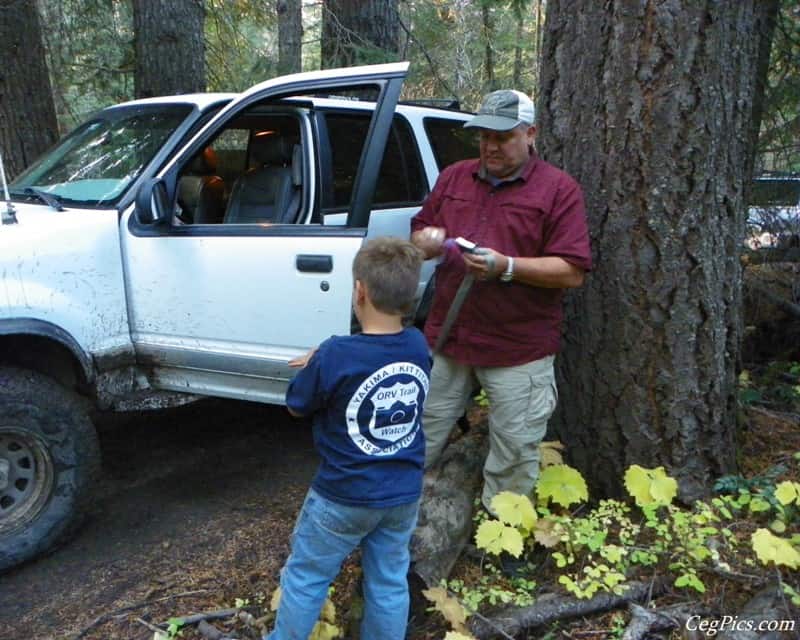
(98, 161)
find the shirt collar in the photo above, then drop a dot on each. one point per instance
(523, 173)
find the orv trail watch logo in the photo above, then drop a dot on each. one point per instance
(387, 408)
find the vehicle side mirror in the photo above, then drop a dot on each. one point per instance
(152, 203)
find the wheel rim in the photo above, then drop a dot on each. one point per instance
(26, 477)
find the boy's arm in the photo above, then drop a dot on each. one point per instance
(306, 394)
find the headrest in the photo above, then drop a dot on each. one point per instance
(271, 149)
(205, 162)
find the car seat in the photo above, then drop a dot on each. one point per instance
(269, 192)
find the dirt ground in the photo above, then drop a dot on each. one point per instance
(195, 510)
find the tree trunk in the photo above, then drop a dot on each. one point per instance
(488, 38)
(766, 19)
(28, 125)
(170, 48)
(648, 105)
(518, 51)
(290, 35)
(359, 32)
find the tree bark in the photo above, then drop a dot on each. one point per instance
(445, 515)
(28, 124)
(290, 35)
(766, 19)
(648, 105)
(170, 47)
(359, 32)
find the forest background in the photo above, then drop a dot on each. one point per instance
(664, 111)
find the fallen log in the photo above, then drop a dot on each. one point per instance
(512, 620)
(445, 515)
(767, 607)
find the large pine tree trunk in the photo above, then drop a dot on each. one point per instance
(359, 32)
(290, 35)
(28, 123)
(170, 49)
(648, 104)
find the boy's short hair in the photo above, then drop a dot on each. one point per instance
(389, 269)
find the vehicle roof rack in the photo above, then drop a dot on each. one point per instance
(451, 104)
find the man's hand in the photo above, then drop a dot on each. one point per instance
(302, 361)
(485, 264)
(429, 240)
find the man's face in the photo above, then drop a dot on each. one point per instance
(503, 152)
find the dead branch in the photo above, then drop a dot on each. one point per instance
(108, 616)
(209, 615)
(152, 627)
(512, 621)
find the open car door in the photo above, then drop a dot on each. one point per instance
(220, 307)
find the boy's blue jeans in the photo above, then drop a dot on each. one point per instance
(324, 535)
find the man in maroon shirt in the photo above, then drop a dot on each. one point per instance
(528, 217)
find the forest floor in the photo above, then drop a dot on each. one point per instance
(197, 508)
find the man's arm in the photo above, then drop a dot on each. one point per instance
(429, 240)
(550, 272)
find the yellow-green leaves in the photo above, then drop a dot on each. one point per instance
(650, 486)
(276, 599)
(325, 631)
(788, 492)
(514, 509)
(562, 484)
(496, 537)
(771, 548)
(449, 607)
(550, 453)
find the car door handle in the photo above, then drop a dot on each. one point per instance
(314, 263)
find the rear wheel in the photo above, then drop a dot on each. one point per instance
(49, 457)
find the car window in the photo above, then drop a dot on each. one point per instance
(97, 162)
(401, 181)
(450, 141)
(775, 192)
(250, 173)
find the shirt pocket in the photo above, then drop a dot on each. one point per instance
(459, 215)
(524, 227)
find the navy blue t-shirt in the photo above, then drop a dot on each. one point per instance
(366, 394)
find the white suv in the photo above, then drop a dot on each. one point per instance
(192, 244)
(773, 218)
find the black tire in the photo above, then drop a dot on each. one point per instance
(49, 458)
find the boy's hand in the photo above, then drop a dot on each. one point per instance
(302, 361)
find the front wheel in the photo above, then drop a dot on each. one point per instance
(49, 457)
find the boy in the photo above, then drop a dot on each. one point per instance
(365, 393)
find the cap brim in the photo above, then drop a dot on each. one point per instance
(495, 123)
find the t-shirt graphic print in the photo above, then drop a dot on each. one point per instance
(366, 394)
(384, 414)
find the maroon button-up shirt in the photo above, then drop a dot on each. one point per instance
(540, 212)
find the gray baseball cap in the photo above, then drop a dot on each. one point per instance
(503, 110)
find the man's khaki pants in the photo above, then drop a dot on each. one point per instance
(521, 400)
